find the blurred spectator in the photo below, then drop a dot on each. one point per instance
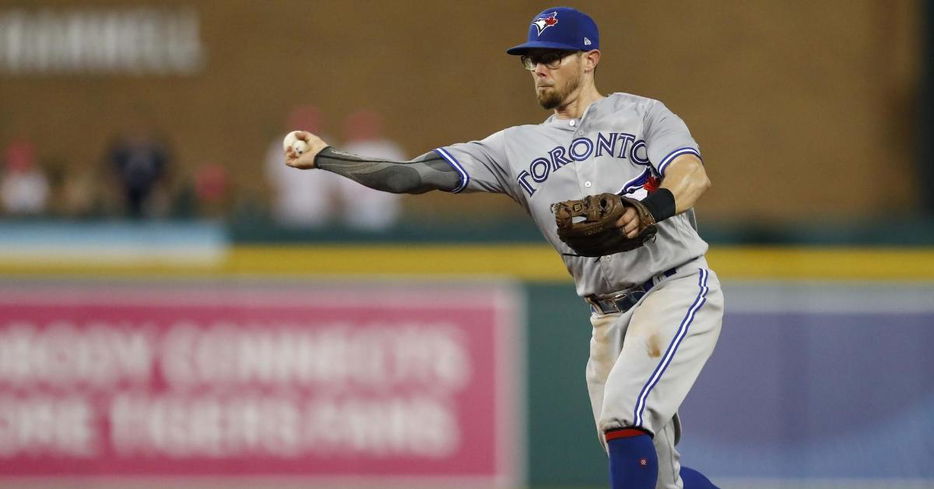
(211, 190)
(300, 199)
(315, 198)
(140, 162)
(79, 194)
(365, 208)
(24, 188)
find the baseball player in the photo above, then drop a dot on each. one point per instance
(610, 180)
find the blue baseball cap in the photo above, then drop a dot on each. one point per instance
(560, 28)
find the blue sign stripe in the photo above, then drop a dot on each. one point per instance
(672, 347)
(465, 178)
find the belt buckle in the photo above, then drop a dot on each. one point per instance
(610, 304)
(615, 299)
(596, 304)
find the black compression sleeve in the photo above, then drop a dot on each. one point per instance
(661, 203)
(427, 172)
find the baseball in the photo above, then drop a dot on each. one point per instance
(292, 141)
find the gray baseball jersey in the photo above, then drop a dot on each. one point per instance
(622, 144)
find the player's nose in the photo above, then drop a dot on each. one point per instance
(540, 70)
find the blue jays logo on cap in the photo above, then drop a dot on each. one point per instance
(544, 22)
(562, 28)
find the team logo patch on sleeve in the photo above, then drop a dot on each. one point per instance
(545, 22)
(641, 186)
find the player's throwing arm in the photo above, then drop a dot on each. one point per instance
(306, 151)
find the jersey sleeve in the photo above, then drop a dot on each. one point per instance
(481, 164)
(666, 137)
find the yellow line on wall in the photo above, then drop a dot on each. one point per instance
(529, 262)
(524, 262)
(823, 263)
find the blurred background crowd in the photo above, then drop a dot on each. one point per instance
(139, 176)
(806, 113)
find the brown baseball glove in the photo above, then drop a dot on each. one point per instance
(589, 226)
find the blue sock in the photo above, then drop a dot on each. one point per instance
(633, 462)
(695, 480)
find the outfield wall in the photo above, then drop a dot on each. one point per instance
(821, 377)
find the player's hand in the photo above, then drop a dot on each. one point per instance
(629, 222)
(306, 160)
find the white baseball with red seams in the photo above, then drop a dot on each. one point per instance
(291, 141)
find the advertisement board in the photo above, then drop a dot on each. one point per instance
(354, 383)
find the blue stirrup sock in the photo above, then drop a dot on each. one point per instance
(695, 480)
(633, 461)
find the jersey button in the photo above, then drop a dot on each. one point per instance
(587, 184)
(573, 123)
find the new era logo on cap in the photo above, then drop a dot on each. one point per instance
(572, 30)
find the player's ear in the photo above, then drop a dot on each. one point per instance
(591, 59)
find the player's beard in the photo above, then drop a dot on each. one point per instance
(553, 97)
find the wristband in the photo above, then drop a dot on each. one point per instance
(661, 203)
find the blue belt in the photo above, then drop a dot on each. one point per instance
(623, 301)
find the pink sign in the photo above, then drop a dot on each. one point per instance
(386, 383)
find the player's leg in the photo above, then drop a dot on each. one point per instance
(605, 345)
(655, 464)
(693, 479)
(633, 463)
(631, 449)
(669, 460)
(633, 459)
(669, 337)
